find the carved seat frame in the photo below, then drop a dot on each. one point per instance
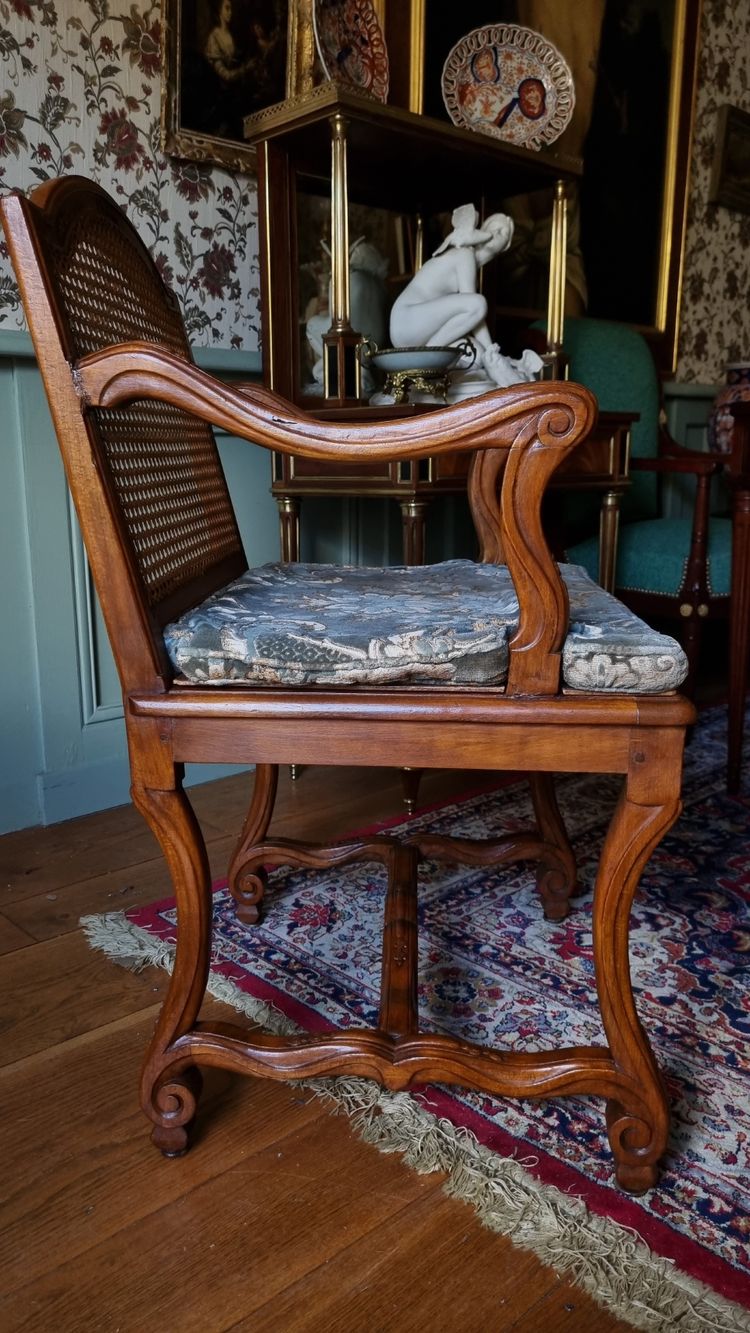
(518, 437)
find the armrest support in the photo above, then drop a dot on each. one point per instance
(518, 540)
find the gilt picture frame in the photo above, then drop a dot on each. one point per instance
(223, 60)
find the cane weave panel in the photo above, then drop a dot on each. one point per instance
(163, 462)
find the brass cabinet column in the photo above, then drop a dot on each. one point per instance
(341, 368)
(558, 250)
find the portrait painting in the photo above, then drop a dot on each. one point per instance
(730, 177)
(224, 59)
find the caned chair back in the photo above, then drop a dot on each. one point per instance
(166, 497)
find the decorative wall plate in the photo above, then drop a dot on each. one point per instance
(509, 82)
(351, 45)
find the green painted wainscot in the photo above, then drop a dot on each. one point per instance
(62, 743)
(62, 739)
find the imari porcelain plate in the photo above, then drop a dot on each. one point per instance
(509, 82)
(351, 45)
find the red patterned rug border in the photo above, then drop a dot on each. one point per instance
(662, 1239)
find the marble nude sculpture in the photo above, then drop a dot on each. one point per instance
(441, 305)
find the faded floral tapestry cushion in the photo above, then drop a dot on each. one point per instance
(450, 623)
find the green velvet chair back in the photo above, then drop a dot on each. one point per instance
(615, 362)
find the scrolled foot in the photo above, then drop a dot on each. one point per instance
(173, 1107)
(248, 891)
(556, 886)
(171, 1142)
(636, 1179)
(637, 1148)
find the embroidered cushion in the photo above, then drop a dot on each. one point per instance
(302, 624)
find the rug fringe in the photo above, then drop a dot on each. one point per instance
(608, 1260)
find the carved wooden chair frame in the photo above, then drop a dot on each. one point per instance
(518, 437)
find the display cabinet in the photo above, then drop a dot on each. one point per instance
(357, 153)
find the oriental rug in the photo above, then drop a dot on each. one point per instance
(493, 970)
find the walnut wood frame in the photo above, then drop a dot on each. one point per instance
(518, 437)
(179, 140)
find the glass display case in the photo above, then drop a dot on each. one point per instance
(339, 164)
(359, 154)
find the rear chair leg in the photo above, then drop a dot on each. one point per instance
(170, 1082)
(247, 887)
(410, 780)
(556, 879)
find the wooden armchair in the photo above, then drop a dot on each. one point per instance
(460, 675)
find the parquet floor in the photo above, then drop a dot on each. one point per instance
(279, 1218)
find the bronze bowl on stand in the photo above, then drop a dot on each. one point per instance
(425, 370)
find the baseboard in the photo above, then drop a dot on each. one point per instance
(19, 806)
(99, 786)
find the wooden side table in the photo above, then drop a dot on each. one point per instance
(599, 465)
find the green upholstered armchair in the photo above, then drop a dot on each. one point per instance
(671, 568)
(666, 567)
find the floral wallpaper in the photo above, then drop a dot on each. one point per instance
(80, 91)
(715, 316)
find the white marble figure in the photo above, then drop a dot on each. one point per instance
(367, 302)
(441, 305)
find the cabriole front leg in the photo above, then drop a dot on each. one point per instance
(170, 1087)
(638, 1111)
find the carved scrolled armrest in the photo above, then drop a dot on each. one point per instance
(138, 370)
(509, 525)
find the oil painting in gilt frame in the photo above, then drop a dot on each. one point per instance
(224, 60)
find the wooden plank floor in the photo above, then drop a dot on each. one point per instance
(279, 1218)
